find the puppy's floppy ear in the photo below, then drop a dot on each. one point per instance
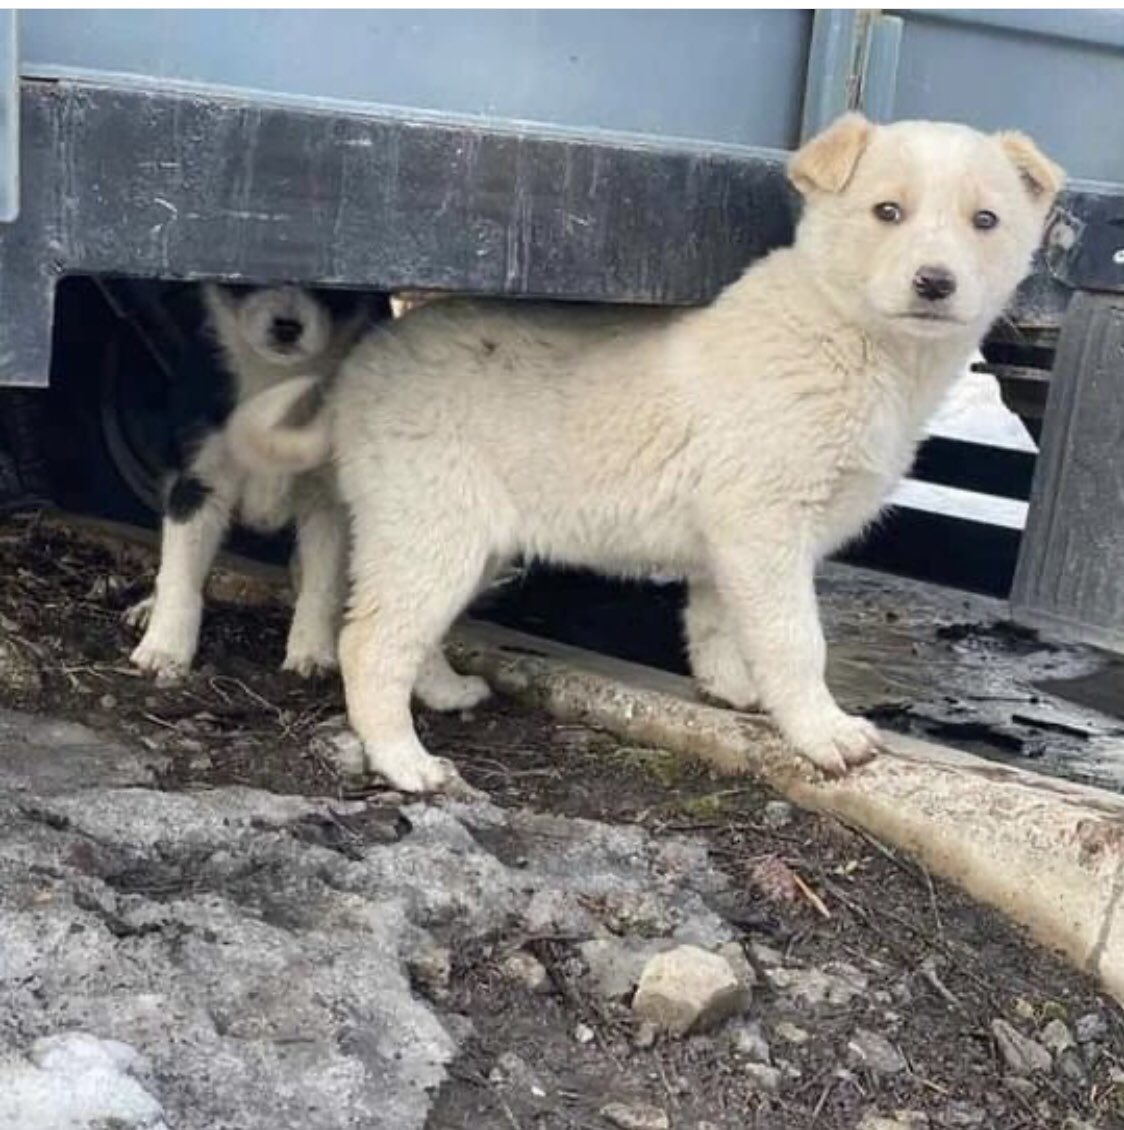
(1043, 179)
(827, 161)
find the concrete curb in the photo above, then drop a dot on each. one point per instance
(1048, 853)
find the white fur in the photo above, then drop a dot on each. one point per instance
(265, 500)
(734, 445)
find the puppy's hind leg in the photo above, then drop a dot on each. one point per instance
(408, 585)
(319, 577)
(441, 688)
(196, 519)
(717, 660)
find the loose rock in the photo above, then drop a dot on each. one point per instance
(687, 989)
(739, 964)
(817, 987)
(764, 1077)
(584, 1034)
(1022, 1055)
(513, 1071)
(432, 968)
(340, 747)
(1069, 1066)
(901, 1120)
(957, 1115)
(765, 955)
(18, 670)
(749, 1040)
(791, 1033)
(777, 814)
(874, 1052)
(616, 964)
(76, 1080)
(636, 1116)
(1057, 1037)
(525, 969)
(1090, 1027)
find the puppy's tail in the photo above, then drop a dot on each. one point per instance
(284, 428)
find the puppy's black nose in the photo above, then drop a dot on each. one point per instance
(934, 283)
(286, 331)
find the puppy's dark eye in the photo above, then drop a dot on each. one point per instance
(984, 220)
(888, 212)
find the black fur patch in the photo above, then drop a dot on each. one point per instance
(186, 497)
(305, 408)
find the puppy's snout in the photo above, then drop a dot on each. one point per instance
(934, 283)
(286, 331)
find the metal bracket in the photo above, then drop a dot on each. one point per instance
(9, 117)
(1087, 252)
(852, 65)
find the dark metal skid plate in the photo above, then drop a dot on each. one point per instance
(119, 180)
(169, 185)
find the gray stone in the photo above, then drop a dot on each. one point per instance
(749, 1040)
(777, 814)
(764, 1077)
(584, 1034)
(687, 989)
(900, 1120)
(834, 986)
(765, 955)
(431, 967)
(957, 1115)
(74, 1081)
(513, 1072)
(525, 969)
(45, 756)
(791, 1033)
(260, 977)
(1020, 1054)
(616, 964)
(739, 964)
(1069, 1066)
(1056, 1037)
(334, 742)
(19, 672)
(635, 1116)
(1090, 1027)
(875, 1053)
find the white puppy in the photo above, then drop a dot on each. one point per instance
(265, 335)
(734, 445)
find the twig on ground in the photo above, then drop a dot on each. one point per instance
(817, 903)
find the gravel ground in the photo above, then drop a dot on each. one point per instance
(316, 951)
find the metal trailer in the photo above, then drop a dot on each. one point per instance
(627, 156)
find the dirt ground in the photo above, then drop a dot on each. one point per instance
(810, 892)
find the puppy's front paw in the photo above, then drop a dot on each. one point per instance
(137, 615)
(836, 741)
(168, 664)
(310, 665)
(408, 767)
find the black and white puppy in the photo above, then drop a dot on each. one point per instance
(265, 335)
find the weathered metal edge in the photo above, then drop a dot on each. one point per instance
(167, 184)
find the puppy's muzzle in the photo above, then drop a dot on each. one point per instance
(285, 331)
